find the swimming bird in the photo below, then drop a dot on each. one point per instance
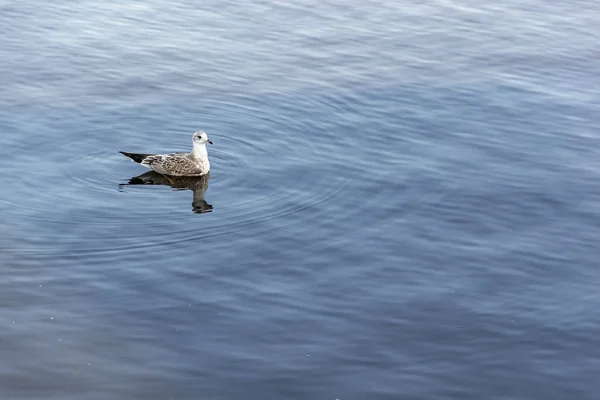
(194, 163)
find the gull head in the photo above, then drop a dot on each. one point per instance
(201, 137)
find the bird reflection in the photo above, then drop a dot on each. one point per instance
(197, 184)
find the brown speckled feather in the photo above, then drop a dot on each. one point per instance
(176, 164)
(194, 163)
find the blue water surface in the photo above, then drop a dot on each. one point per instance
(404, 200)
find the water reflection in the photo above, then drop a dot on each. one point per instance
(197, 184)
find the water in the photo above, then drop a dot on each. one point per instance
(403, 202)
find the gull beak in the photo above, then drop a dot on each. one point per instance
(209, 141)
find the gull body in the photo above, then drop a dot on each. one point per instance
(194, 163)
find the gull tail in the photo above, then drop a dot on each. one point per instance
(138, 158)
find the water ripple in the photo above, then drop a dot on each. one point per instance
(243, 204)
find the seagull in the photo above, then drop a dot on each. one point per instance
(178, 164)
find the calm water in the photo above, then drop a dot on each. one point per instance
(404, 200)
